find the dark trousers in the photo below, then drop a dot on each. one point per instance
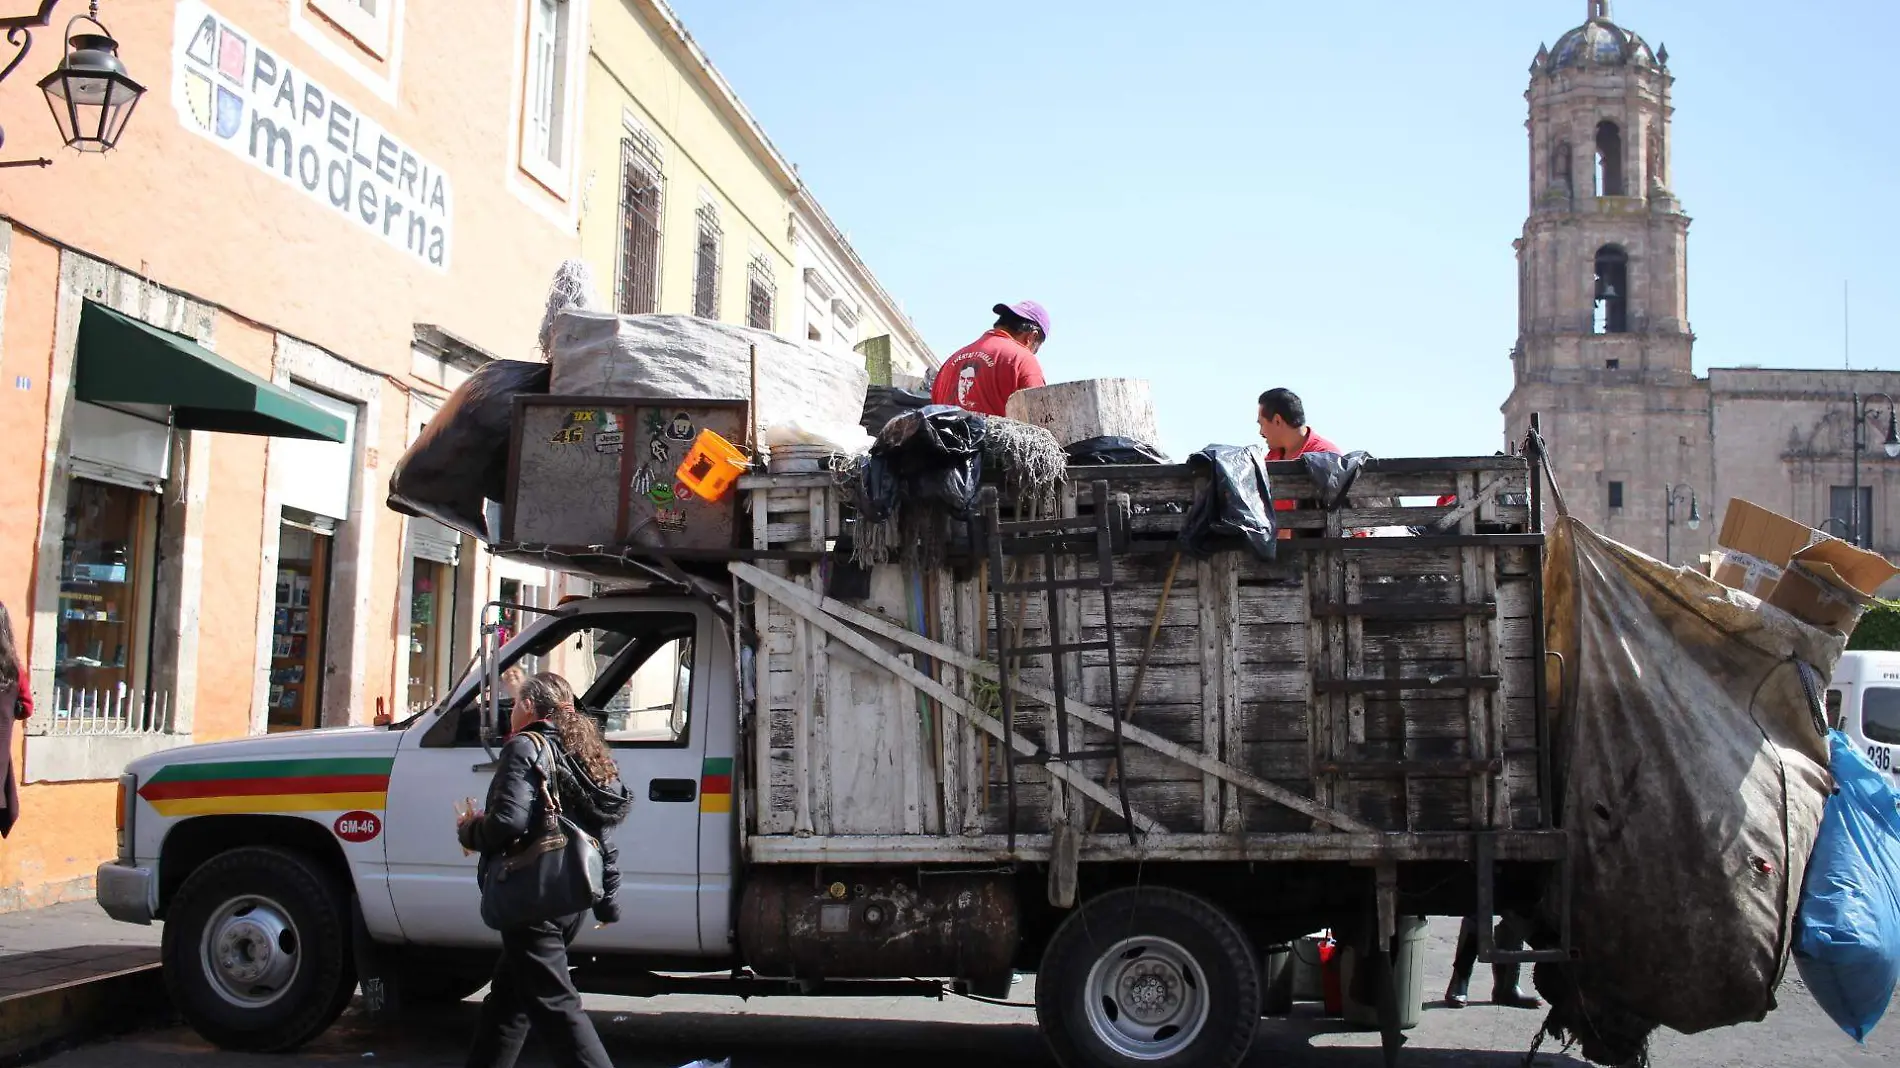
(1466, 957)
(532, 988)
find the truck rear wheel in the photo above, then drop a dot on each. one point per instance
(256, 950)
(1148, 976)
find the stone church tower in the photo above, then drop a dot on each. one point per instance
(1603, 347)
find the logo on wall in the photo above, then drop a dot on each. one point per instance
(242, 96)
(607, 439)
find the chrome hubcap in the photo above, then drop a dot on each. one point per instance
(251, 952)
(1146, 998)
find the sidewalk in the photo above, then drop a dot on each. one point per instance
(68, 971)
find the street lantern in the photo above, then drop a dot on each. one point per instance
(1893, 435)
(90, 93)
(1672, 492)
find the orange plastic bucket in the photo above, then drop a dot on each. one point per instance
(711, 466)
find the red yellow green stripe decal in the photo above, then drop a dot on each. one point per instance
(336, 784)
(715, 785)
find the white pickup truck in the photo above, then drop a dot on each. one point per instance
(836, 794)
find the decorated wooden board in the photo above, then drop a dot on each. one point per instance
(604, 471)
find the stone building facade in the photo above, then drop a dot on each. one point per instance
(1640, 445)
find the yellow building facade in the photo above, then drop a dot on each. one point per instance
(684, 208)
(687, 208)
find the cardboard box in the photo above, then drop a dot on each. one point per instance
(1830, 583)
(1758, 545)
(1818, 579)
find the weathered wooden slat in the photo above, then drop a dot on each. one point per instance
(1210, 682)
(1373, 769)
(1262, 847)
(1230, 687)
(1402, 684)
(1402, 610)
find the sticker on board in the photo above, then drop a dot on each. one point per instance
(358, 826)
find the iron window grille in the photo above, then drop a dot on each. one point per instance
(642, 193)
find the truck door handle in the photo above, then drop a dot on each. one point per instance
(672, 790)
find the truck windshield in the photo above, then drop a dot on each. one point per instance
(1880, 714)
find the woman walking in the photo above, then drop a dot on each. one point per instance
(531, 985)
(16, 703)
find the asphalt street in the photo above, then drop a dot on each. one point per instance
(832, 1033)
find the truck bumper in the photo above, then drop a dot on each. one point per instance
(126, 893)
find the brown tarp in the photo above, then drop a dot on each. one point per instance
(1691, 772)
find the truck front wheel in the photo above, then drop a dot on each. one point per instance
(256, 950)
(1148, 976)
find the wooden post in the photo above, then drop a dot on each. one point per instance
(1091, 408)
(752, 412)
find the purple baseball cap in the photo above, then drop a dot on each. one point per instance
(1027, 309)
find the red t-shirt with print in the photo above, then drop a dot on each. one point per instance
(982, 375)
(1313, 443)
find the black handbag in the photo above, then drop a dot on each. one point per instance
(553, 872)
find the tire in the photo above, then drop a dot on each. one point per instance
(1148, 976)
(257, 950)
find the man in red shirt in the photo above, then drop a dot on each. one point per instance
(982, 375)
(1282, 421)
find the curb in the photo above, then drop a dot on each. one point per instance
(42, 1022)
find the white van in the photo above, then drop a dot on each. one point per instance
(1864, 701)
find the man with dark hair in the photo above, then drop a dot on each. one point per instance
(1282, 419)
(1283, 424)
(982, 375)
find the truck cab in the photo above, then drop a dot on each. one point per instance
(1863, 701)
(263, 856)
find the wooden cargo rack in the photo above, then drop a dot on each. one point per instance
(1366, 699)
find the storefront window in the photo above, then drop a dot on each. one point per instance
(296, 666)
(431, 630)
(517, 592)
(105, 611)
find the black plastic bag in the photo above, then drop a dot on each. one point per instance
(885, 403)
(1236, 502)
(931, 456)
(461, 458)
(1112, 450)
(1333, 475)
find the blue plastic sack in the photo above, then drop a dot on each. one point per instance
(1847, 938)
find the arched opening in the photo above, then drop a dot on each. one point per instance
(1653, 159)
(1611, 315)
(1560, 168)
(1609, 159)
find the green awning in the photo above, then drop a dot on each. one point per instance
(124, 361)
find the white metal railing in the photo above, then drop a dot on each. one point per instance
(112, 711)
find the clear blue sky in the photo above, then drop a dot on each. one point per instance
(1223, 197)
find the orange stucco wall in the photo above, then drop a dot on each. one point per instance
(33, 855)
(195, 217)
(190, 216)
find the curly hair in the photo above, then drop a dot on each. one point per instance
(553, 700)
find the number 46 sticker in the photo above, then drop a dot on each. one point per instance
(358, 826)
(1880, 757)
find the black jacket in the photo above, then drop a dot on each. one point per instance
(513, 797)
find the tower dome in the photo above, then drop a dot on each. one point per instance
(1598, 43)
